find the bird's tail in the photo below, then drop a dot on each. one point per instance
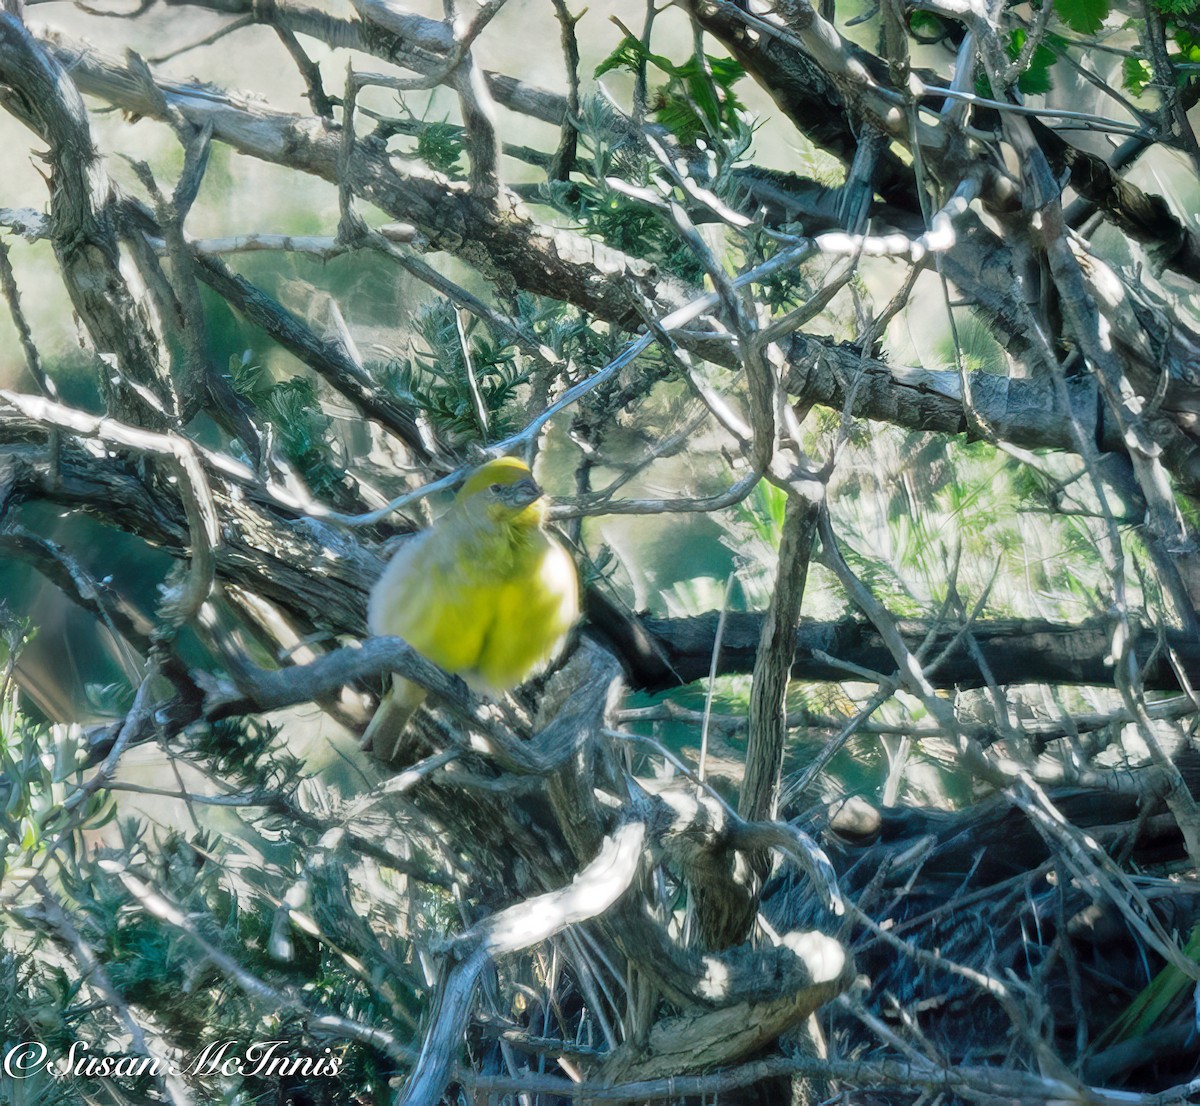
(384, 732)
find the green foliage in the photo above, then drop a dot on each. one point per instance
(926, 27)
(760, 517)
(440, 146)
(609, 214)
(1036, 77)
(788, 287)
(292, 410)
(61, 850)
(1136, 74)
(438, 377)
(246, 751)
(697, 101)
(1085, 17)
(1189, 46)
(977, 348)
(15, 633)
(1176, 7)
(39, 767)
(1161, 1000)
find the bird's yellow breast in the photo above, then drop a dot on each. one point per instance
(492, 608)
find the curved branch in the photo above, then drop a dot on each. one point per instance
(589, 894)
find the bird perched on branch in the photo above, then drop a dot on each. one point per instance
(485, 593)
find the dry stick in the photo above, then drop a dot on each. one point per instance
(235, 472)
(263, 134)
(318, 100)
(327, 359)
(773, 660)
(1146, 216)
(262, 690)
(208, 40)
(1047, 1058)
(502, 324)
(676, 319)
(385, 240)
(910, 672)
(1106, 89)
(676, 166)
(325, 247)
(1093, 865)
(791, 842)
(836, 743)
(590, 893)
(33, 358)
(777, 646)
(799, 25)
(451, 38)
(984, 1085)
(311, 152)
(712, 675)
(1171, 547)
(563, 161)
(1112, 551)
(1033, 39)
(480, 141)
(120, 617)
(194, 383)
(477, 400)
(883, 1032)
(796, 719)
(811, 308)
(998, 775)
(762, 380)
(348, 222)
(139, 717)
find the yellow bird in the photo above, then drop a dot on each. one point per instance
(485, 593)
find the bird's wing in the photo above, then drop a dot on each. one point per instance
(425, 597)
(385, 607)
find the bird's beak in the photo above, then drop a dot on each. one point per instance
(524, 492)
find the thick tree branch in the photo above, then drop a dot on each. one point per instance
(506, 246)
(1016, 651)
(512, 250)
(34, 88)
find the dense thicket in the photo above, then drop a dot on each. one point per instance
(858, 346)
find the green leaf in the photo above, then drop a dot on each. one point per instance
(1189, 47)
(631, 54)
(697, 99)
(926, 27)
(440, 145)
(726, 72)
(1176, 7)
(1135, 76)
(1036, 77)
(1083, 16)
(1152, 1006)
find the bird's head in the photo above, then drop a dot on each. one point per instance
(506, 492)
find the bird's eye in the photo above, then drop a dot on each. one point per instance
(496, 489)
